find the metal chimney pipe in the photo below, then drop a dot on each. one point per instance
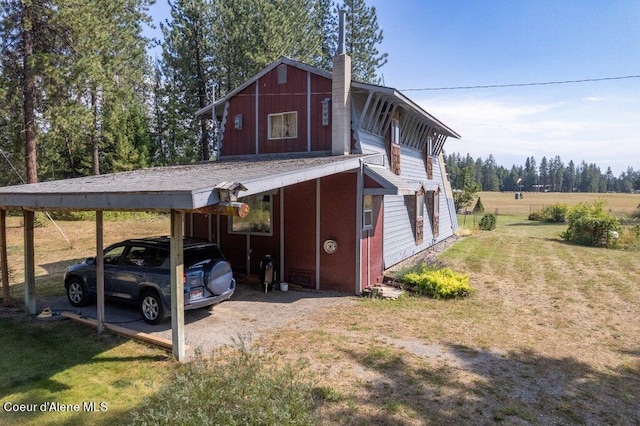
(341, 32)
(341, 96)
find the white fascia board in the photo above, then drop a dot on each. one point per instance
(276, 181)
(160, 201)
(391, 182)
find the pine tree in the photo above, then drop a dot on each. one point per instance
(362, 36)
(28, 38)
(327, 21)
(187, 66)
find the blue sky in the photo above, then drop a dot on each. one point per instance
(451, 43)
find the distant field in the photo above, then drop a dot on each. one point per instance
(506, 203)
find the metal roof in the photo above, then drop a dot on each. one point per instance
(389, 180)
(390, 91)
(185, 187)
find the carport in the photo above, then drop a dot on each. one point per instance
(196, 188)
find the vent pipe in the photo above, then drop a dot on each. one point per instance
(341, 33)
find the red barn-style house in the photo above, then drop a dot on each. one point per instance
(343, 179)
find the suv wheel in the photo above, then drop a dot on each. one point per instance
(77, 292)
(151, 308)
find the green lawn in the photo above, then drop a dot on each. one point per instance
(550, 336)
(65, 363)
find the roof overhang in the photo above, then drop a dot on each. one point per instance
(182, 188)
(407, 103)
(391, 183)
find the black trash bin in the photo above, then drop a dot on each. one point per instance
(267, 273)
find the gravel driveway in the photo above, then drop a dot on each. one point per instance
(249, 313)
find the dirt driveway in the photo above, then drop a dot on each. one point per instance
(250, 313)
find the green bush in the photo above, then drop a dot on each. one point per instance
(551, 214)
(479, 207)
(488, 222)
(535, 216)
(248, 387)
(590, 225)
(440, 283)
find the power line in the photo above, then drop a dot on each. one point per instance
(546, 83)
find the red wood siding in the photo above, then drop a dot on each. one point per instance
(320, 135)
(274, 98)
(372, 247)
(370, 183)
(287, 97)
(338, 222)
(241, 142)
(200, 224)
(300, 234)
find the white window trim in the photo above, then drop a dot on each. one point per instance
(282, 114)
(365, 225)
(264, 234)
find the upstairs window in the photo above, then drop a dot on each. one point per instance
(395, 146)
(433, 204)
(283, 125)
(419, 225)
(395, 131)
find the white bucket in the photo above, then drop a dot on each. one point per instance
(284, 286)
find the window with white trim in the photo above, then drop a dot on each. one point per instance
(367, 212)
(259, 219)
(283, 125)
(419, 225)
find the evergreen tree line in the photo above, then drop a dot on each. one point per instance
(549, 175)
(80, 95)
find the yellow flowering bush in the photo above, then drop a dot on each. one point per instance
(441, 283)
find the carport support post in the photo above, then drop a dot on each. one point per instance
(4, 264)
(177, 286)
(29, 265)
(100, 270)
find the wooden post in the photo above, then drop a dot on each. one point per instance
(177, 286)
(100, 271)
(29, 263)
(4, 264)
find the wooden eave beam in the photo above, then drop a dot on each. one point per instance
(364, 111)
(387, 124)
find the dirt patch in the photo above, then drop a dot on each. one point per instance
(250, 314)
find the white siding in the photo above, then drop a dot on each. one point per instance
(370, 143)
(399, 241)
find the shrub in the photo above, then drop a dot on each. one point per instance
(488, 222)
(247, 386)
(590, 225)
(629, 238)
(440, 283)
(479, 207)
(551, 214)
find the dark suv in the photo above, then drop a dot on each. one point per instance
(139, 271)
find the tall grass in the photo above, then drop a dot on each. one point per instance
(243, 385)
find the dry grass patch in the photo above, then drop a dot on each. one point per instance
(505, 202)
(53, 254)
(549, 336)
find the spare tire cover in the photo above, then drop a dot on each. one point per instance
(219, 277)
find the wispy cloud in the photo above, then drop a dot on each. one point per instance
(575, 128)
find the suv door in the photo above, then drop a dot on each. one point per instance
(112, 257)
(141, 264)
